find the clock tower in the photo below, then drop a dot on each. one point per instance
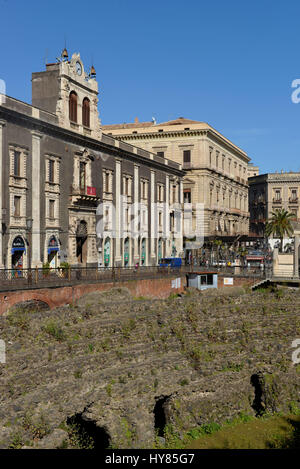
(66, 90)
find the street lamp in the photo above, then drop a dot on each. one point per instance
(29, 228)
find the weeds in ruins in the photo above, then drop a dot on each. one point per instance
(201, 348)
(55, 330)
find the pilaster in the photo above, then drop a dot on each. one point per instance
(36, 197)
(153, 222)
(2, 124)
(136, 214)
(117, 253)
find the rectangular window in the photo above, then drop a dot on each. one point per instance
(187, 156)
(143, 191)
(51, 208)
(160, 219)
(277, 195)
(174, 194)
(172, 221)
(82, 171)
(127, 216)
(187, 196)
(17, 206)
(126, 186)
(51, 171)
(160, 193)
(17, 163)
(294, 194)
(106, 219)
(161, 154)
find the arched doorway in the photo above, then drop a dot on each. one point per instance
(53, 249)
(81, 243)
(107, 252)
(18, 251)
(126, 252)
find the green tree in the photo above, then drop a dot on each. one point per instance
(280, 225)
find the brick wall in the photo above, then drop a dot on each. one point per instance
(151, 288)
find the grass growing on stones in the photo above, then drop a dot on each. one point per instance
(242, 432)
(258, 433)
(55, 330)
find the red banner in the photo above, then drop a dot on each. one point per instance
(91, 190)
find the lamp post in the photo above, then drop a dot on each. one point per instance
(29, 228)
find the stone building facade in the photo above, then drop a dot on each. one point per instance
(215, 169)
(252, 170)
(70, 193)
(271, 191)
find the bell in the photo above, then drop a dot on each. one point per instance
(64, 54)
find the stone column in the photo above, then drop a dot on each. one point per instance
(296, 255)
(179, 240)
(36, 197)
(153, 222)
(167, 234)
(118, 240)
(2, 124)
(136, 214)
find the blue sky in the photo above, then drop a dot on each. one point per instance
(228, 63)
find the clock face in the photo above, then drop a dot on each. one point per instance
(78, 68)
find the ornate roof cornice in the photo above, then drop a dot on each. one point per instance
(167, 134)
(34, 124)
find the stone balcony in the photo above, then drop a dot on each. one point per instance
(84, 195)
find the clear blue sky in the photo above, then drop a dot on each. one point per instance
(229, 63)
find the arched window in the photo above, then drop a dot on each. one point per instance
(73, 106)
(86, 112)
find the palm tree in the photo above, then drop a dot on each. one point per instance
(280, 225)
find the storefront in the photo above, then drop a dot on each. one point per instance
(126, 252)
(53, 250)
(107, 252)
(159, 250)
(143, 252)
(18, 252)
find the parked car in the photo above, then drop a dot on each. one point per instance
(173, 262)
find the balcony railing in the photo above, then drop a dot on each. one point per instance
(293, 200)
(277, 201)
(87, 193)
(23, 279)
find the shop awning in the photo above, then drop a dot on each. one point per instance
(55, 248)
(13, 250)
